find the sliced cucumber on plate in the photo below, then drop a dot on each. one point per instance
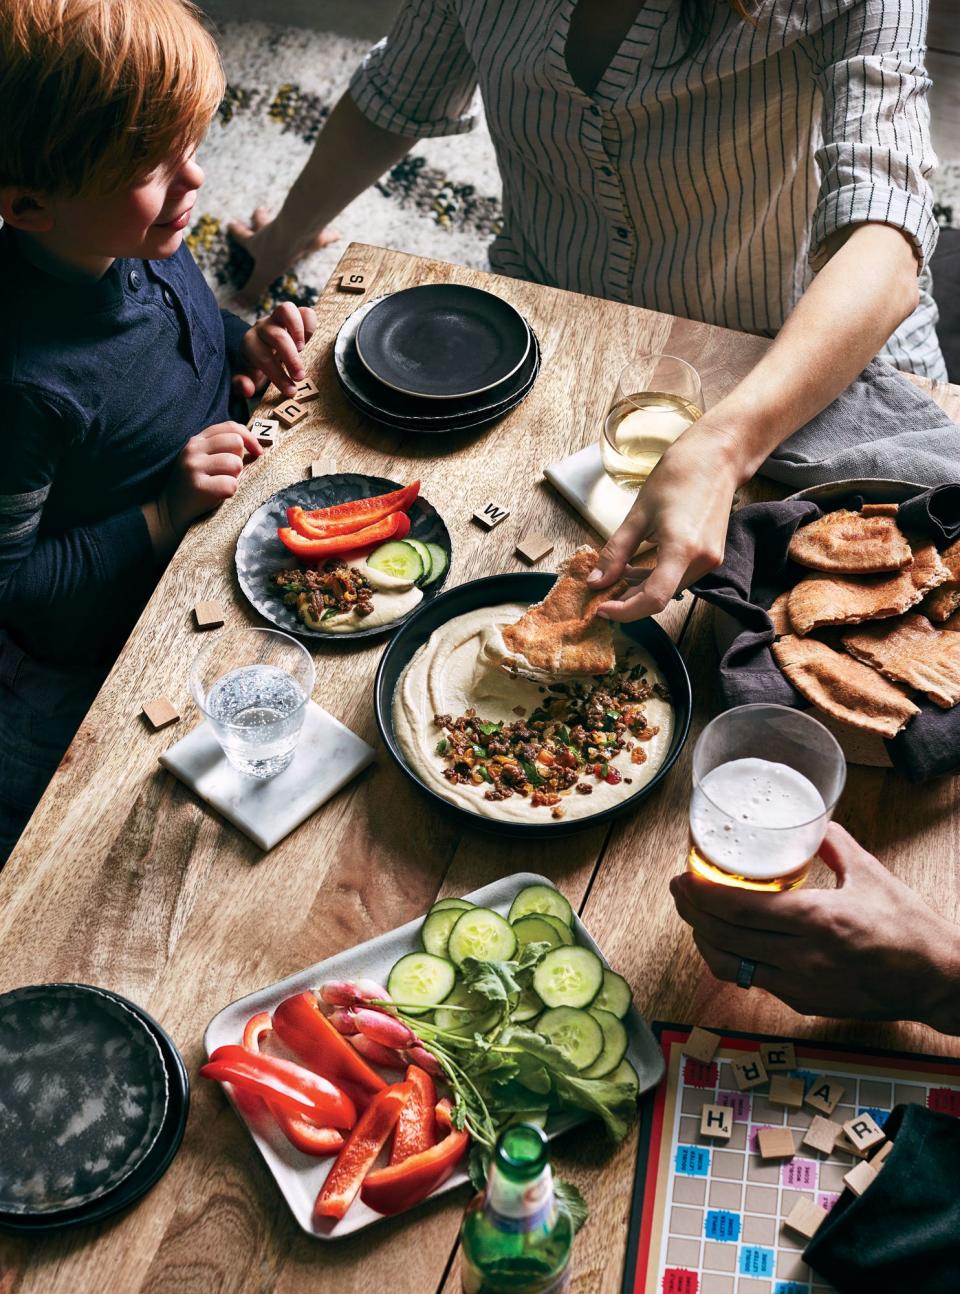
(421, 981)
(400, 559)
(614, 1044)
(536, 929)
(435, 931)
(577, 1034)
(569, 977)
(481, 933)
(542, 899)
(423, 552)
(462, 904)
(439, 561)
(615, 994)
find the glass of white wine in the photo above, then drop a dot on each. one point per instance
(657, 398)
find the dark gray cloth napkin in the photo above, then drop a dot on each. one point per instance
(881, 426)
(756, 568)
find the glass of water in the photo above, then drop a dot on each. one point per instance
(253, 686)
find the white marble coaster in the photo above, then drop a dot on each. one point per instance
(585, 486)
(328, 755)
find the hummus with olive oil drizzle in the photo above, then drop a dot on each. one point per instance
(457, 670)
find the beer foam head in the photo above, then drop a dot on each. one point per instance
(757, 818)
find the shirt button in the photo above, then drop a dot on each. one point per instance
(133, 278)
(168, 297)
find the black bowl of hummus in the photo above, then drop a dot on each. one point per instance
(518, 756)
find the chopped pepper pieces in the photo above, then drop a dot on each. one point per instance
(304, 1135)
(417, 1127)
(294, 1090)
(304, 1028)
(396, 526)
(360, 1151)
(400, 1186)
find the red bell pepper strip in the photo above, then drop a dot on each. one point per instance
(256, 1030)
(396, 526)
(363, 512)
(306, 1136)
(360, 1152)
(417, 1126)
(400, 1186)
(301, 1024)
(294, 1090)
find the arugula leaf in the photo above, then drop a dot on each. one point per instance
(576, 1205)
(614, 1103)
(493, 980)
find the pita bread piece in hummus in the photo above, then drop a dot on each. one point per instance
(851, 543)
(944, 601)
(842, 687)
(912, 651)
(563, 634)
(822, 600)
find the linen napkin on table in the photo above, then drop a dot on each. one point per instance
(756, 568)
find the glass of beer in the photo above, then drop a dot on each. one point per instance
(657, 397)
(765, 782)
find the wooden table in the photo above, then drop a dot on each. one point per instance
(124, 879)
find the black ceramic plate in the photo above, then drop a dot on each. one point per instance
(260, 554)
(426, 415)
(491, 592)
(443, 341)
(154, 1165)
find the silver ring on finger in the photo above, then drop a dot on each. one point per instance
(745, 973)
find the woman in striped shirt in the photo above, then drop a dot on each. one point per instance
(763, 171)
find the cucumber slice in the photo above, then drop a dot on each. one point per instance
(439, 561)
(435, 931)
(541, 899)
(481, 933)
(614, 1044)
(564, 931)
(615, 994)
(528, 1008)
(576, 1033)
(536, 929)
(462, 904)
(625, 1073)
(421, 980)
(569, 977)
(397, 558)
(423, 552)
(481, 1018)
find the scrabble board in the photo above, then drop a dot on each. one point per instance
(707, 1215)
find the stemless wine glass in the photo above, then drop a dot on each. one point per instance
(765, 782)
(253, 686)
(657, 397)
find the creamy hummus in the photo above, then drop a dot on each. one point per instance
(392, 598)
(457, 670)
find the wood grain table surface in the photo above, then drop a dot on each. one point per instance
(124, 879)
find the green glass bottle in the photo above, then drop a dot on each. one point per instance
(516, 1236)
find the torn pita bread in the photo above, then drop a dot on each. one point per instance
(563, 634)
(852, 544)
(879, 509)
(843, 687)
(845, 600)
(942, 602)
(779, 616)
(912, 651)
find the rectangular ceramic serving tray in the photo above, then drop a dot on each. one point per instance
(299, 1176)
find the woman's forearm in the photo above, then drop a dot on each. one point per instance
(861, 295)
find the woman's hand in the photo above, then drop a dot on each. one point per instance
(868, 949)
(271, 350)
(683, 508)
(273, 252)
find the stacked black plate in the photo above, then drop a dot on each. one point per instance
(95, 1100)
(437, 358)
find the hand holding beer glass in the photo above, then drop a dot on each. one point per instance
(765, 782)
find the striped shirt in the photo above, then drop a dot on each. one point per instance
(703, 188)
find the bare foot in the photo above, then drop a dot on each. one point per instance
(259, 240)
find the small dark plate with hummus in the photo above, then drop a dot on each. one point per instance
(437, 670)
(261, 557)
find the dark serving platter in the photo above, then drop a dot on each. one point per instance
(494, 591)
(260, 554)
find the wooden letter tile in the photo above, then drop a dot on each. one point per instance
(532, 548)
(748, 1073)
(845, 1146)
(880, 1158)
(306, 390)
(786, 1091)
(716, 1121)
(266, 430)
(208, 615)
(824, 1095)
(778, 1056)
(863, 1131)
(776, 1143)
(290, 412)
(353, 283)
(701, 1045)
(159, 713)
(860, 1177)
(805, 1217)
(323, 467)
(491, 515)
(822, 1134)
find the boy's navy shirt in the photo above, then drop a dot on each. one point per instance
(101, 386)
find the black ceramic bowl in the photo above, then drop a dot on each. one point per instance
(491, 592)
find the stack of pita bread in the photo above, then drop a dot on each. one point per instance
(875, 620)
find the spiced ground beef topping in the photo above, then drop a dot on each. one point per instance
(331, 589)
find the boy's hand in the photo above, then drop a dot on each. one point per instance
(271, 350)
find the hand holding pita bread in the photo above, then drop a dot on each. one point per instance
(869, 949)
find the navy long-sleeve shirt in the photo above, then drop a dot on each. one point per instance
(101, 385)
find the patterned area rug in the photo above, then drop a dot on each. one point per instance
(442, 200)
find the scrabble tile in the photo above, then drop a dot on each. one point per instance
(266, 430)
(880, 1158)
(822, 1134)
(532, 548)
(159, 713)
(776, 1143)
(778, 1056)
(844, 1144)
(490, 515)
(786, 1091)
(701, 1045)
(863, 1131)
(805, 1217)
(860, 1177)
(716, 1121)
(353, 283)
(748, 1073)
(208, 615)
(323, 467)
(290, 412)
(824, 1095)
(306, 390)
